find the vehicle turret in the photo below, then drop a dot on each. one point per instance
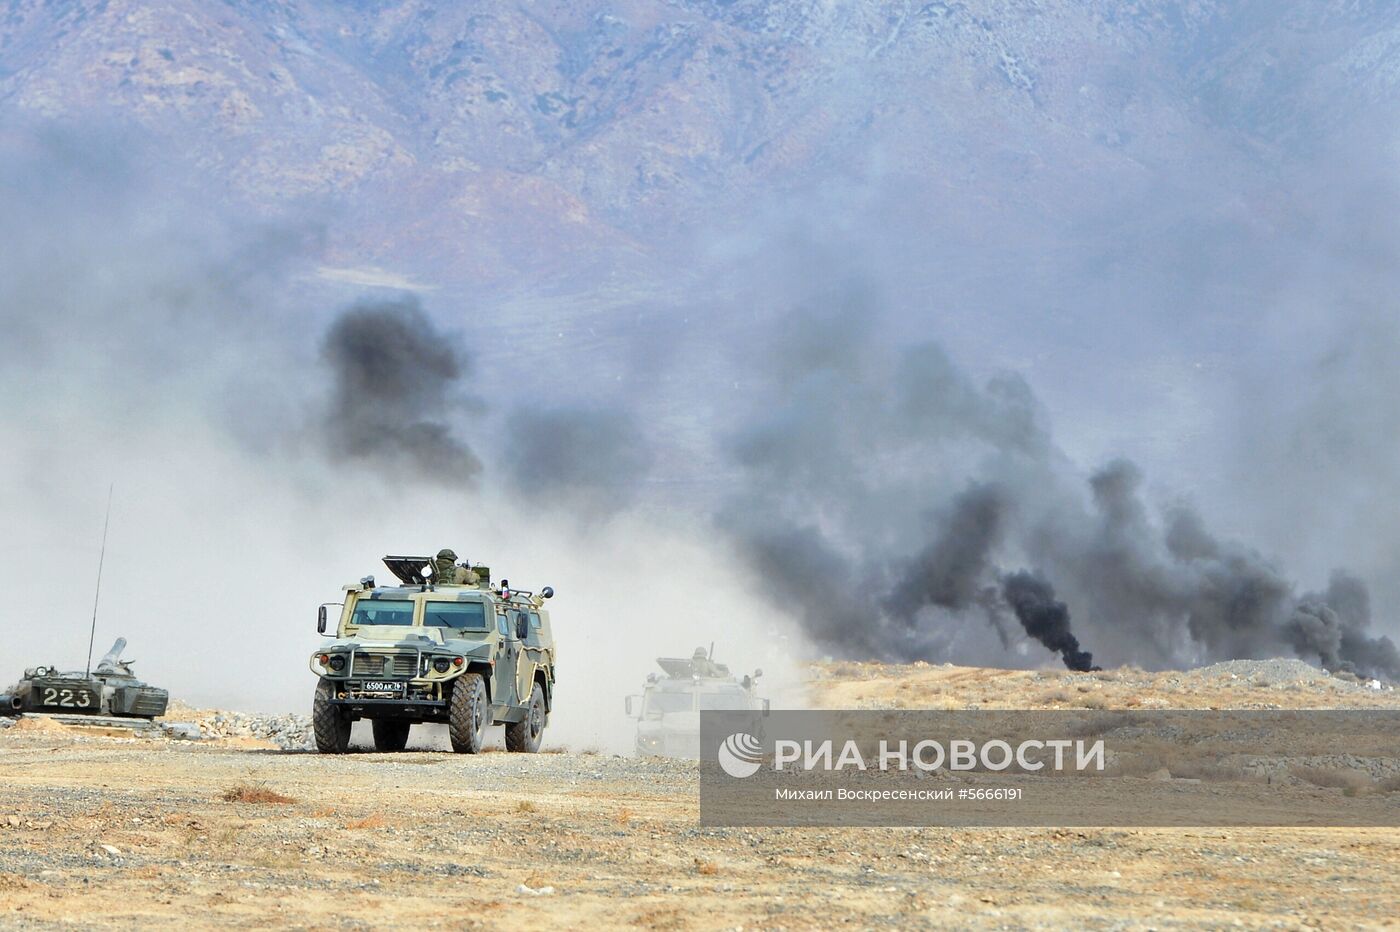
(110, 689)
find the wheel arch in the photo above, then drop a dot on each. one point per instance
(546, 683)
(485, 670)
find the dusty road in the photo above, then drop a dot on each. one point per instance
(109, 832)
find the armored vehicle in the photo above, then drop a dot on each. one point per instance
(668, 710)
(442, 646)
(111, 689)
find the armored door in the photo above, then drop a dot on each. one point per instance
(531, 656)
(503, 676)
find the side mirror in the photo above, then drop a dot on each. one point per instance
(321, 620)
(767, 706)
(628, 705)
(522, 626)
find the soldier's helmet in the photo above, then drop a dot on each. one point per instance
(446, 554)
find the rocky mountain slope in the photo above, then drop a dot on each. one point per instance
(472, 141)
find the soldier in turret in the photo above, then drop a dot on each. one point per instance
(446, 572)
(702, 665)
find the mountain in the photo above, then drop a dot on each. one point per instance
(480, 141)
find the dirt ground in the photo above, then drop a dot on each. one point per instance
(110, 831)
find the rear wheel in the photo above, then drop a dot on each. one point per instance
(466, 714)
(329, 721)
(390, 736)
(526, 736)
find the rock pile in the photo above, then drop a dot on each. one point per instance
(1276, 670)
(287, 731)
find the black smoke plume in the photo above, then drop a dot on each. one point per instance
(394, 392)
(1044, 617)
(1338, 635)
(842, 502)
(951, 569)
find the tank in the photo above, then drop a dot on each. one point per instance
(110, 689)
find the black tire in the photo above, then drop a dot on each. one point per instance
(467, 714)
(525, 736)
(390, 736)
(329, 721)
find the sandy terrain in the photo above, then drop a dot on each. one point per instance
(109, 831)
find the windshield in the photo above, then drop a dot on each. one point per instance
(720, 701)
(662, 703)
(382, 612)
(470, 615)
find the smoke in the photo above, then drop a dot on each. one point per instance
(394, 396)
(842, 505)
(1045, 618)
(592, 460)
(182, 353)
(876, 492)
(839, 500)
(952, 568)
(1345, 611)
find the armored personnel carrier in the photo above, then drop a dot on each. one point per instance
(443, 645)
(668, 710)
(111, 689)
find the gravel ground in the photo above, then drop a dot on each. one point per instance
(132, 832)
(107, 835)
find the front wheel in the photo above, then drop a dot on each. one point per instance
(329, 721)
(466, 714)
(390, 736)
(526, 736)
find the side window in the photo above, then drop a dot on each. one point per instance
(533, 638)
(501, 626)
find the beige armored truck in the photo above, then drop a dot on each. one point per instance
(668, 709)
(456, 651)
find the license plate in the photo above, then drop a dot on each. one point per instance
(382, 687)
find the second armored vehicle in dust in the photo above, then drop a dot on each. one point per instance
(668, 710)
(456, 652)
(111, 689)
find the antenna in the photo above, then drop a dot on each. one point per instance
(712, 650)
(101, 558)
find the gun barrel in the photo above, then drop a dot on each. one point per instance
(114, 656)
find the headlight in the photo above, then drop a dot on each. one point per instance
(442, 664)
(337, 663)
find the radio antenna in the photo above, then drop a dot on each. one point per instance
(101, 558)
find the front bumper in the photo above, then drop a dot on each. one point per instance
(412, 707)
